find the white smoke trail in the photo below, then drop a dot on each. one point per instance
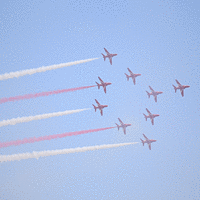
(41, 69)
(38, 154)
(38, 117)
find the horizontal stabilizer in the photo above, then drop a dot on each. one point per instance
(94, 107)
(104, 57)
(127, 76)
(175, 88)
(142, 141)
(145, 116)
(148, 94)
(98, 85)
(117, 126)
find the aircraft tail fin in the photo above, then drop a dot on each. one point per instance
(98, 85)
(104, 57)
(94, 107)
(145, 116)
(142, 141)
(175, 88)
(148, 94)
(127, 76)
(117, 126)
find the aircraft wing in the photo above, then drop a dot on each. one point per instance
(110, 60)
(148, 111)
(155, 97)
(100, 80)
(130, 71)
(151, 88)
(120, 121)
(97, 102)
(145, 136)
(178, 82)
(182, 93)
(106, 51)
(149, 146)
(104, 87)
(152, 121)
(133, 80)
(124, 130)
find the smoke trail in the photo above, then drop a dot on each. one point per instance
(41, 69)
(41, 94)
(49, 137)
(38, 117)
(38, 154)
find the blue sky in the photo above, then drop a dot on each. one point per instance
(158, 39)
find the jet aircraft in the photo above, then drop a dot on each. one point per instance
(154, 93)
(180, 87)
(151, 116)
(103, 84)
(109, 55)
(132, 75)
(122, 125)
(148, 141)
(99, 106)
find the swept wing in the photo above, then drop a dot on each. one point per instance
(149, 146)
(148, 111)
(120, 121)
(106, 51)
(151, 88)
(110, 58)
(97, 102)
(178, 82)
(130, 71)
(145, 137)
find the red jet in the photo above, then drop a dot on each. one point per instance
(151, 116)
(148, 141)
(109, 55)
(100, 107)
(122, 125)
(153, 93)
(180, 87)
(103, 84)
(132, 75)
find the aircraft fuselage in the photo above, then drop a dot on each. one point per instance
(151, 116)
(155, 93)
(182, 87)
(110, 55)
(102, 106)
(105, 84)
(149, 141)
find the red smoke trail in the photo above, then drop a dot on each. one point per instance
(49, 137)
(41, 94)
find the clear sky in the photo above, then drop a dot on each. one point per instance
(159, 40)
